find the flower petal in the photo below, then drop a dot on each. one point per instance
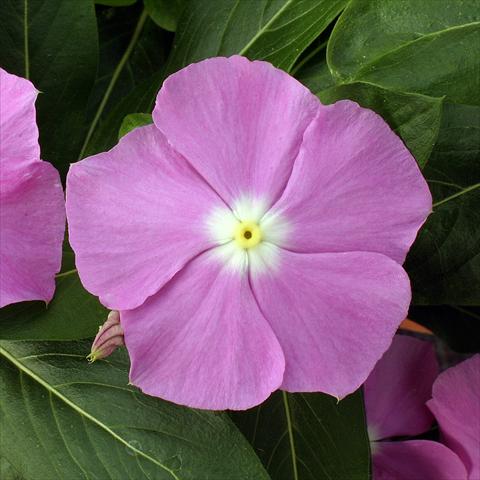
(397, 389)
(334, 315)
(239, 123)
(354, 187)
(18, 127)
(202, 341)
(416, 460)
(136, 215)
(32, 217)
(456, 405)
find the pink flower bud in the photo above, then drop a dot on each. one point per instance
(108, 339)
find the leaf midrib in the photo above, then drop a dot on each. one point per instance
(358, 75)
(52, 391)
(264, 28)
(456, 195)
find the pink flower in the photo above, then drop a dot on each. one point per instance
(456, 405)
(397, 393)
(252, 237)
(32, 212)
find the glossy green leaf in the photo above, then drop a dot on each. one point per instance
(165, 13)
(416, 118)
(65, 419)
(55, 44)
(132, 121)
(309, 436)
(444, 263)
(277, 31)
(430, 47)
(72, 314)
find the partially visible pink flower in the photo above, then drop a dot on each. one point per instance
(396, 393)
(456, 405)
(252, 237)
(32, 212)
(108, 339)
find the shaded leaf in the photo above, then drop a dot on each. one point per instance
(277, 31)
(444, 262)
(309, 436)
(415, 118)
(115, 3)
(141, 98)
(134, 53)
(54, 44)
(457, 325)
(165, 13)
(65, 419)
(430, 47)
(132, 121)
(72, 314)
(316, 77)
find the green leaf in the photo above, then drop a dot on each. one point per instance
(141, 98)
(444, 263)
(115, 3)
(54, 44)
(72, 314)
(133, 55)
(316, 77)
(430, 47)
(65, 419)
(7, 472)
(132, 121)
(309, 436)
(277, 31)
(416, 118)
(165, 13)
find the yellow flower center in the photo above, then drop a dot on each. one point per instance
(247, 234)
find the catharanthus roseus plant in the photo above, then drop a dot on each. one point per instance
(32, 212)
(252, 238)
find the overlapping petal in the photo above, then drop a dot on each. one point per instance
(18, 127)
(397, 389)
(136, 214)
(354, 187)
(416, 460)
(239, 123)
(201, 341)
(456, 405)
(32, 219)
(334, 315)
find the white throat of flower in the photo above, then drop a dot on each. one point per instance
(247, 235)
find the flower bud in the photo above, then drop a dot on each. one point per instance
(108, 339)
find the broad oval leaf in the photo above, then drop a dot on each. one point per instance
(309, 436)
(444, 262)
(430, 47)
(277, 31)
(55, 45)
(65, 419)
